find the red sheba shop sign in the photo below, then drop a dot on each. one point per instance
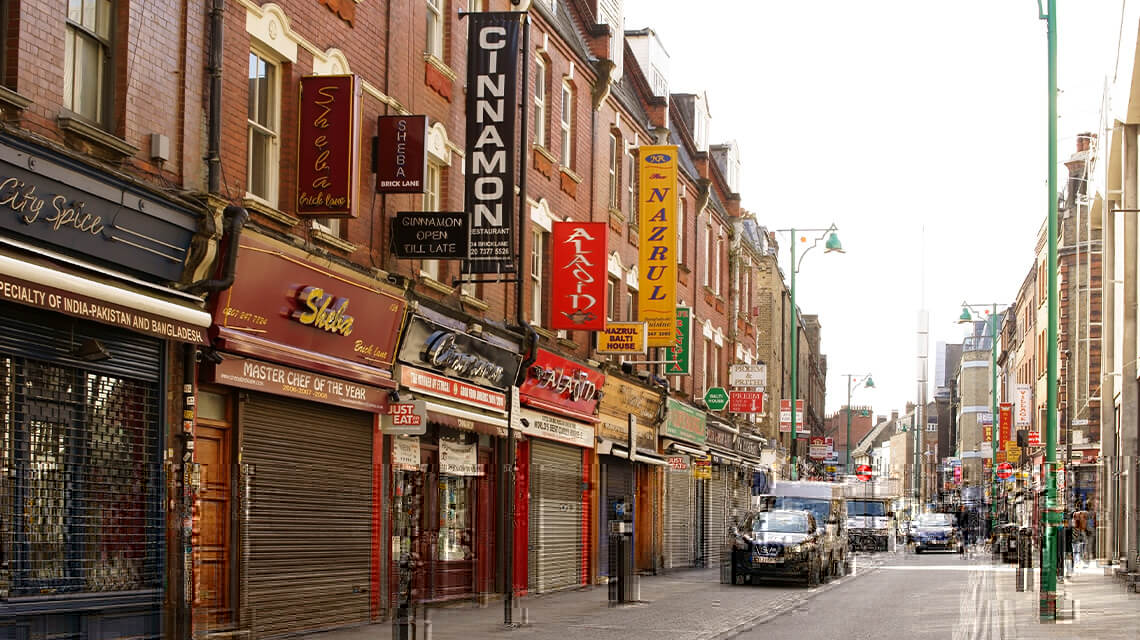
(328, 150)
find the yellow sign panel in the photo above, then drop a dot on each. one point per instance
(702, 468)
(657, 261)
(1012, 452)
(623, 338)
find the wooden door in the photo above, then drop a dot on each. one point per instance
(213, 599)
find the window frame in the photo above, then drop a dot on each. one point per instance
(566, 123)
(434, 31)
(611, 297)
(272, 170)
(541, 106)
(537, 260)
(105, 81)
(615, 172)
(432, 201)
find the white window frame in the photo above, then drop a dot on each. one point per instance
(615, 173)
(709, 249)
(680, 231)
(705, 363)
(630, 296)
(631, 188)
(434, 27)
(567, 124)
(433, 192)
(272, 130)
(540, 102)
(611, 296)
(79, 69)
(719, 262)
(536, 260)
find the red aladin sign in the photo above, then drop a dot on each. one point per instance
(578, 284)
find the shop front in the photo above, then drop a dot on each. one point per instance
(723, 486)
(560, 404)
(286, 417)
(442, 519)
(683, 436)
(627, 480)
(87, 351)
(748, 447)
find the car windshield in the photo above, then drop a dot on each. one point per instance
(866, 508)
(934, 520)
(820, 508)
(780, 522)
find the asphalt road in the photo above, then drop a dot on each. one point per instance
(933, 595)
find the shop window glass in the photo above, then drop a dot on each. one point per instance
(87, 57)
(456, 519)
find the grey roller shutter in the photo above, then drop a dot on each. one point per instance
(716, 513)
(555, 560)
(307, 516)
(679, 524)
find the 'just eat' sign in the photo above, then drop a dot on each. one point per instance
(409, 418)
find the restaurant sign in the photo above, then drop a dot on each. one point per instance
(328, 154)
(296, 383)
(680, 352)
(429, 235)
(684, 423)
(441, 386)
(748, 446)
(554, 383)
(719, 437)
(620, 398)
(544, 425)
(458, 354)
(623, 338)
(401, 161)
(578, 293)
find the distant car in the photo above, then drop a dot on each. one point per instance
(932, 531)
(779, 544)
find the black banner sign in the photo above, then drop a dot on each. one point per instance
(458, 355)
(430, 235)
(492, 75)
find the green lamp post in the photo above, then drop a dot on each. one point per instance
(832, 244)
(866, 383)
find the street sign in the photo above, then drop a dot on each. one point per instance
(1013, 452)
(748, 375)
(746, 401)
(786, 415)
(716, 398)
(818, 448)
(863, 472)
(1005, 470)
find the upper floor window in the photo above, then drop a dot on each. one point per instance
(615, 158)
(87, 78)
(540, 101)
(435, 28)
(567, 126)
(264, 128)
(538, 240)
(680, 230)
(433, 187)
(611, 297)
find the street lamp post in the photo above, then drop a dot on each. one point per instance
(991, 322)
(867, 383)
(793, 333)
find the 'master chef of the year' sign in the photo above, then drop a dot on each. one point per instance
(489, 165)
(458, 355)
(285, 308)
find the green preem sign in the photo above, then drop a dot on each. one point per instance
(716, 398)
(682, 345)
(684, 423)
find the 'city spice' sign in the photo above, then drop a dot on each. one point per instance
(492, 70)
(578, 290)
(327, 146)
(657, 263)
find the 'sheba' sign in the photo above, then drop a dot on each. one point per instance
(328, 160)
(400, 158)
(492, 55)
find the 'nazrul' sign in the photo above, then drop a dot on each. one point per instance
(657, 262)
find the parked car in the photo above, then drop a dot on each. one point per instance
(826, 502)
(779, 544)
(931, 531)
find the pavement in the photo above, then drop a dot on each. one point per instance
(680, 605)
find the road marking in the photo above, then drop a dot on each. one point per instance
(950, 567)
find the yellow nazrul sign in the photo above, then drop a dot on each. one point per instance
(657, 262)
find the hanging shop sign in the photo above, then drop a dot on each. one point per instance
(684, 422)
(748, 446)
(677, 463)
(680, 352)
(1023, 403)
(657, 264)
(91, 215)
(719, 437)
(619, 400)
(556, 384)
(408, 418)
(818, 449)
(328, 154)
(451, 389)
(578, 292)
(406, 453)
(702, 468)
(301, 313)
(296, 383)
(748, 375)
(1005, 424)
(544, 425)
(458, 355)
(401, 158)
(746, 402)
(458, 458)
(489, 163)
(786, 415)
(623, 338)
(429, 235)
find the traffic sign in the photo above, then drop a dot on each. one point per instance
(716, 398)
(746, 401)
(1005, 470)
(863, 472)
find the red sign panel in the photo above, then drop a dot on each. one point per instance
(283, 308)
(1034, 438)
(328, 153)
(401, 158)
(556, 384)
(578, 285)
(746, 401)
(957, 474)
(1005, 423)
(1004, 470)
(452, 389)
(863, 472)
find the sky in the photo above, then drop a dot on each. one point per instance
(918, 127)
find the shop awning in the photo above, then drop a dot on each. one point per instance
(685, 448)
(623, 452)
(722, 456)
(457, 418)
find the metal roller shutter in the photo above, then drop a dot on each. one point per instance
(740, 496)
(555, 560)
(307, 515)
(679, 524)
(715, 515)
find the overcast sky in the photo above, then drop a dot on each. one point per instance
(888, 117)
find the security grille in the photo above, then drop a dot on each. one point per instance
(79, 469)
